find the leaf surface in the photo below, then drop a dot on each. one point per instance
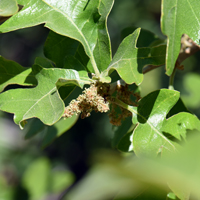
(13, 73)
(179, 17)
(130, 60)
(154, 133)
(102, 51)
(76, 19)
(8, 7)
(57, 47)
(43, 101)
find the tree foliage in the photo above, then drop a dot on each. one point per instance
(78, 54)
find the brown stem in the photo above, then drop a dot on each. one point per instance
(150, 67)
(188, 48)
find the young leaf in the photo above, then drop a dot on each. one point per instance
(130, 60)
(13, 73)
(76, 19)
(179, 17)
(8, 7)
(43, 101)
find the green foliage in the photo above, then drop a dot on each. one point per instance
(175, 22)
(79, 74)
(8, 8)
(135, 59)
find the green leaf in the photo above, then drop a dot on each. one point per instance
(76, 19)
(102, 51)
(8, 7)
(120, 131)
(13, 73)
(130, 60)
(154, 133)
(45, 63)
(43, 101)
(57, 47)
(145, 39)
(179, 17)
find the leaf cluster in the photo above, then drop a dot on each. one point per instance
(78, 54)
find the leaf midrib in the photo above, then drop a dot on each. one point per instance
(86, 42)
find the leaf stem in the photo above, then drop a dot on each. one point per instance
(94, 65)
(150, 68)
(171, 79)
(121, 104)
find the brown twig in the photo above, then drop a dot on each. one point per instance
(150, 67)
(188, 48)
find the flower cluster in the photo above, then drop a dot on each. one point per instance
(93, 98)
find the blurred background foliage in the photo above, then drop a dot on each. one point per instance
(28, 171)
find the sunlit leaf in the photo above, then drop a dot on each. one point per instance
(8, 7)
(13, 73)
(179, 17)
(42, 101)
(154, 133)
(130, 60)
(76, 19)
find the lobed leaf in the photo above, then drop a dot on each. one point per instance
(154, 133)
(43, 101)
(13, 73)
(76, 19)
(130, 60)
(179, 17)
